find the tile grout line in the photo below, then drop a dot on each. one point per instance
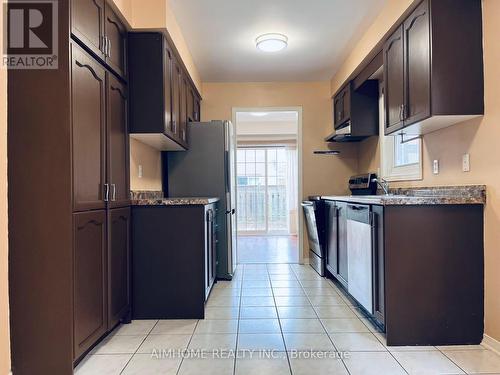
(239, 317)
(139, 346)
(279, 321)
(189, 342)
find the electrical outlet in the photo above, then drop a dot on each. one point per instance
(435, 166)
(466, 163)
(140, 171)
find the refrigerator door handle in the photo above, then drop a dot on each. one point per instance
(226, 168)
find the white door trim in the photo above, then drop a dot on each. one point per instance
(297, 109)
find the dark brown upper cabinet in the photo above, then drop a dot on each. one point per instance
(355, 112)
(394, 87)
(117, 143)
(160, 89)
(90, 291)
(87, 24)
(116, 34)
(118, 265)
(97, 26)
(433, 68)
(88, 114)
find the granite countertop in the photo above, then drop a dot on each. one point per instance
(472, 194)
(155, 198)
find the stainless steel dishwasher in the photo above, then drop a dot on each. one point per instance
(360, 254)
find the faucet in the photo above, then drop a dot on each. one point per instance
(384, 184)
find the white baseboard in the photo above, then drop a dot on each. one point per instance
(491, 343)
(305, 261)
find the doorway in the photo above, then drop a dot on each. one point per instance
(268, 184)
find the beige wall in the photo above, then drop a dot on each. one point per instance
(150, 159)
(479, 138)
(321, 174)
(4, 296)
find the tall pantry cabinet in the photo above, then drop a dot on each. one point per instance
(69, 211)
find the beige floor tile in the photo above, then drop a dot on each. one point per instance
(222, 284)
(373, 363)
(221, 301)
(256, 276)
(259, 326)
(145, 364)
(344, 325)
(426, 363)
(257, 292)
(213, 341)
(225, 292)
(476, 361)
(257, 301)
(164, 342)
(217, 326)
(285, 284)
(288, 276)
(334, 312)
(136, 327)
(292, 301)
(119, 344)
(301, 326)
(308, 342)
(207, 366)
(260, 341)
(264, 312)
(296, 312)
(221, 312)
(111, 364)
(394, 348)
(356, 342)
(320, 292)
(287, 292)
(262, 366)
(256, 284)
(324, 364)
(333, 300)
(316, 283)
(451, 348)
(174, 326)
(372, 327)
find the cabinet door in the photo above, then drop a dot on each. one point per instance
(190, 103)
(88, 88)
(116, 33)
(332, 237)
(87, 23)
(417, 65)
(176, 99)
(89, 237)
(394, 86)
(117, 142)
(168, 66)
(183, 110)
(342, 273)
(197, 109)
(118, 265)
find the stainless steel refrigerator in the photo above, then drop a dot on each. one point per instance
(208, 169)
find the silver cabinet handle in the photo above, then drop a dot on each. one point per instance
(109, 47)
(103, 45)
(401, 112)
(113, 192)
(106, 192)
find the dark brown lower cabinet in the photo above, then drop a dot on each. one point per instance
(118, 265)
(336, 259)
(173, 260)
(90, 289)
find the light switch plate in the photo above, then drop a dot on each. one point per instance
(140, 171)
(435, 166)
(466, 163)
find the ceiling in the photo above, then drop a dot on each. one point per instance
(221, 36)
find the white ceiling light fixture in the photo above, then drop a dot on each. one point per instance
(272, 42)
